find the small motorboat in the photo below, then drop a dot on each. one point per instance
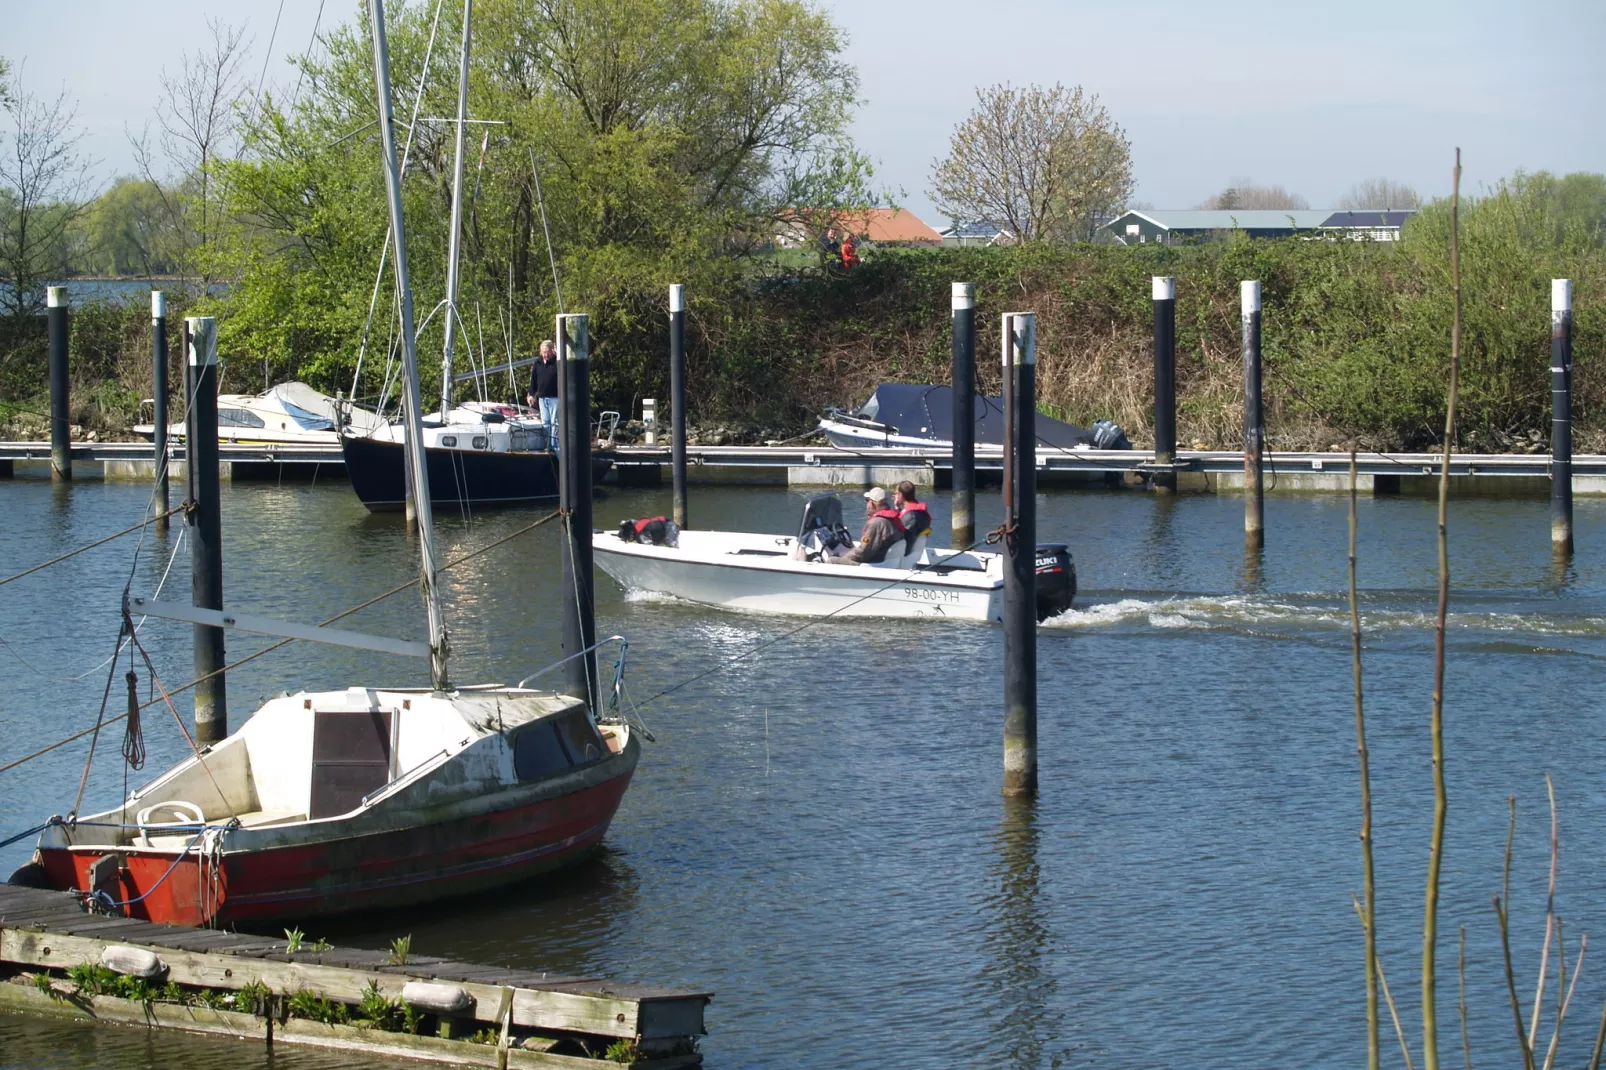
(290, 414)
(915, 416)
(760, 573)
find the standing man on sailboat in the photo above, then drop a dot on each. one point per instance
(543, 390)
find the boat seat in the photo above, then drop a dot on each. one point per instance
(912, 558)
(259, 818)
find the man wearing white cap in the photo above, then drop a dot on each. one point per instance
(882, 530)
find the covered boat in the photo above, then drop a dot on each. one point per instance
(289, 414)
(775, 574)
(915, 416)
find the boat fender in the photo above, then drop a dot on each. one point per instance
(436, 998)
(133, 962)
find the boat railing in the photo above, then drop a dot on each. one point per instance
(407, 777)
(618, 666)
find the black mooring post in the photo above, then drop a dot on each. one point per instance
(60, 403)
(159, 402)
(574, 472)
(206, 520)
(964, 449)
(1254, 423)
(1165, 382)
(677, 400)
(1020, 560)
(1561, 415)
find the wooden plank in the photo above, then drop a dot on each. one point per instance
(300, 1031)
(571, 1012)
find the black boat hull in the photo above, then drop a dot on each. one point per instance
(478, 478)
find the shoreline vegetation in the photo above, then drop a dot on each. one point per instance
(1352, 339)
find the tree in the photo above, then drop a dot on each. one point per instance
(1042, 163)
(196, 117)
(127, 230)
(1244, 195)
(1380, 193)
(43, 182)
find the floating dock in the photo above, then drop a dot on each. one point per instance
(57, 960)
(1517, 474)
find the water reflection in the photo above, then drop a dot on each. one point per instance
(1251, 578)
(1019, 942)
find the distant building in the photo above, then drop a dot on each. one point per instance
(961, 234)
(879, 226)
(1367, 226)
(1173, 228)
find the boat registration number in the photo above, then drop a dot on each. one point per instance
(926, 594)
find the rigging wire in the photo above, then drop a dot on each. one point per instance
(267, 57)
(300, 70)
(552, 257)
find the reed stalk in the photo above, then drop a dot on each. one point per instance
(1550, 920)
(1368, 889)
(1388, 998)
(1461, 975)
(1430, 912)
(1502, 914)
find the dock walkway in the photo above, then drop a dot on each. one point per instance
(242, 985)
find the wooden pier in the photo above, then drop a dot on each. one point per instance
(55, 959)
(823, 465)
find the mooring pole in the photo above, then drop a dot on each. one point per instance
(574, 473)
(60, 403)
(159, 402)
(1254, 423)
(1020, 559)
(1561, 415)
(1165, 382)
(964, 449)
(677, 401)
(206, 536)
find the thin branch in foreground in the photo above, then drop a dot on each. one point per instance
(1461, 974)
(1383, 983)
(1600, 1041)
(1500, 902)
(1550, 921)
(1369, 891)
(1564, 1002)
(1430, 910)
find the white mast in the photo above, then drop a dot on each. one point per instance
(412, 397)
(455, 252)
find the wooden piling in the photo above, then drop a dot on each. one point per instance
(1020, 556)
(964, 437)
(60, 402)
(574, 475)
(1254, 421)
(206, 530)
(1561, 415)
(677, 402)
(1165, 383)
(159, 403)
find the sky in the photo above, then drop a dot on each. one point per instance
(1312, 96)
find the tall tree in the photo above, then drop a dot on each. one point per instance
(44, 182)
(1380, 193)
(1041, 163)
(1244, 194)
(197, 119)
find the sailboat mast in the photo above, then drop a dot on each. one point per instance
(455, 245)
(412, 396)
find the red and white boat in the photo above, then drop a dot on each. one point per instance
(335, 801)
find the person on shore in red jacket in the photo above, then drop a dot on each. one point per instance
(850, 254)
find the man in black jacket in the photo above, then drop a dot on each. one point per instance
(543, 390)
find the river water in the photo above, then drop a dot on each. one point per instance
(818, 834)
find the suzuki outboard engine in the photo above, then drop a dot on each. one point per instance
(1056, 580)
(1108, 436)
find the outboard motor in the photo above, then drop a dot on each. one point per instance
(1109, 436)
(823, 533)
(1056, 580)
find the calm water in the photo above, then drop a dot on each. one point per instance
(818, 833)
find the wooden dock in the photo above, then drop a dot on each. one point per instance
(56, 959)
(823, 465)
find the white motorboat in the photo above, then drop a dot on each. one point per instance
(916, 416)
(761, 573)
(290, 414)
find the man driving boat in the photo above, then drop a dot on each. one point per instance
(882, 531)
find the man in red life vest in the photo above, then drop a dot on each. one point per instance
(882, 531)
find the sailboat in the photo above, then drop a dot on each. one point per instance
(478, 453)
(335, 801)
